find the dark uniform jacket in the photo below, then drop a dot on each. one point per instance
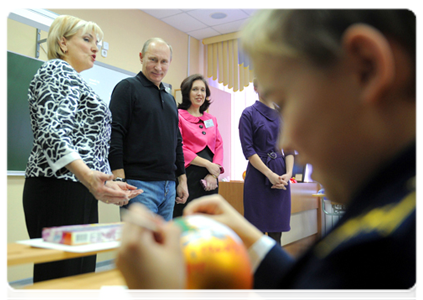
(373, 246)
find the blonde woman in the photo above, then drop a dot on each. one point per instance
(68, 171)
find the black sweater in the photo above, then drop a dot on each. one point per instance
(146, 141)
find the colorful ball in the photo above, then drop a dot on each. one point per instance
(215, 256)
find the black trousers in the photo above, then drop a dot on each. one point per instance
(51, 202)
(276, 236)
(195, 189)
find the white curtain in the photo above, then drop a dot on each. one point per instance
(227, 63)
(240, 100)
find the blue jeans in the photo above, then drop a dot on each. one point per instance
(158, 196)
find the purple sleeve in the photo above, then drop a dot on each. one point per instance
(246, 134)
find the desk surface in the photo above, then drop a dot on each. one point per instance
(24, 254)
(83, 281)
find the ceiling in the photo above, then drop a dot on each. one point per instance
(199, 23)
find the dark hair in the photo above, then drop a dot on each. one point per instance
(316, 34)
(186, 86)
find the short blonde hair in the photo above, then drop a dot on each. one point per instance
(67, 26)
(316, 34)
(255, 82)
(262, 35)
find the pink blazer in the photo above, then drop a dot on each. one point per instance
(199, 132)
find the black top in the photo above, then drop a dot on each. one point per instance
(373, 246)
(146, 141)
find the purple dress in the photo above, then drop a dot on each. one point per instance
(267, 209)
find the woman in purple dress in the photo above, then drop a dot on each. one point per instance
(267, 193)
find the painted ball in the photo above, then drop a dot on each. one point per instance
(215, 256)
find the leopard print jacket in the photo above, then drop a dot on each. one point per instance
(69, 121)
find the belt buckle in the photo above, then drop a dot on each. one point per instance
(272, 155)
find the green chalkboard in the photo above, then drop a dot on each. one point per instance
(20, 71)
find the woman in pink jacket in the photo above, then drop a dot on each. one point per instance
(202, 143)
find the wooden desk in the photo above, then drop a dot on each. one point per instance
(81, 287)
(302, 200)
(301, 195)
(18, 254)
(233, 192)
(82, 282)
(23, 254)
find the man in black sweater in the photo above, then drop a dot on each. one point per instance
(146, 144)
